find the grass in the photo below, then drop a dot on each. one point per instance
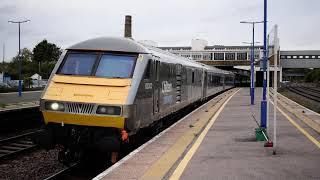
(3, 105)
(310, 104)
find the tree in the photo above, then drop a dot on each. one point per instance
(46, 52)
(27, 82)
(313, 76)
(28, 67)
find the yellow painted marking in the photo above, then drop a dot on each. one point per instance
(184, 162)
(310, 122)
(85, 120)
(88, 90)
(159, 169)
(98, 81)
(304, 132)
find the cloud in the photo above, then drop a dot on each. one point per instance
(169, 22)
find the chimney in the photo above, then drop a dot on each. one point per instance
(127, 27)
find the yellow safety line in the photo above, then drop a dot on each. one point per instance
(184, 162)
(304, 132)
(310, 122)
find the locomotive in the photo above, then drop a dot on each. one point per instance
(104, 90)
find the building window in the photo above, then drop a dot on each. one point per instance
(288, 57)
(307, 57)
(294, 57)
(206, 56)
(230, 56)
(282, 57)
(300, 57)
(313, 57)
(218, 56)
(242, 56)
(318, 57)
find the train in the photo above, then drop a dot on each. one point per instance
(102, 91)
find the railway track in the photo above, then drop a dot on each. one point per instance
(12, 146)
(64, 173)
(309, 93)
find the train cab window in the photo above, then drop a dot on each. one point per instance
(147, 73)
(116, 66)
(78, 64)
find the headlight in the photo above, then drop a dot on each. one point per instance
(110, 110)
(54, 106)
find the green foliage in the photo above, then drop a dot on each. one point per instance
(27, 82)
(43, 59)
(47, 67)
(28, 67)
(313, 76)
(46, 55)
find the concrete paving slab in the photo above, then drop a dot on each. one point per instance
(137, 165)
(12, 102)
(228, 152)
(28, 96)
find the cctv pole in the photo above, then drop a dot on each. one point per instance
(19, 57)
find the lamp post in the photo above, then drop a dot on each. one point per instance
(19, 56)
(252, 74)
(252, 59)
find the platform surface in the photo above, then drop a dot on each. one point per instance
(12, 102)
(13, 97)
(229, 149)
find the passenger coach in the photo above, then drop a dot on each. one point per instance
(104, 90)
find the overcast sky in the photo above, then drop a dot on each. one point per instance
(168, 22)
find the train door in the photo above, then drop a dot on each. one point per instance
(204, 84)
(156, 87)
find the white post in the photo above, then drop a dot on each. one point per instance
(275, 93)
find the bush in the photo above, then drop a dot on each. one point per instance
(313, 76)
(27, 83)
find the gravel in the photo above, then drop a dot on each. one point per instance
(36, 165)
(313, 105)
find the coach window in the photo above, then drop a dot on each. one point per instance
(192, 77)
(157, 70)
(147, 74)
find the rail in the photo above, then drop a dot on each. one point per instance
(312, 94)
(15, 145)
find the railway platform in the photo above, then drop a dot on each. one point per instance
(217, 141)
(12, 102)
